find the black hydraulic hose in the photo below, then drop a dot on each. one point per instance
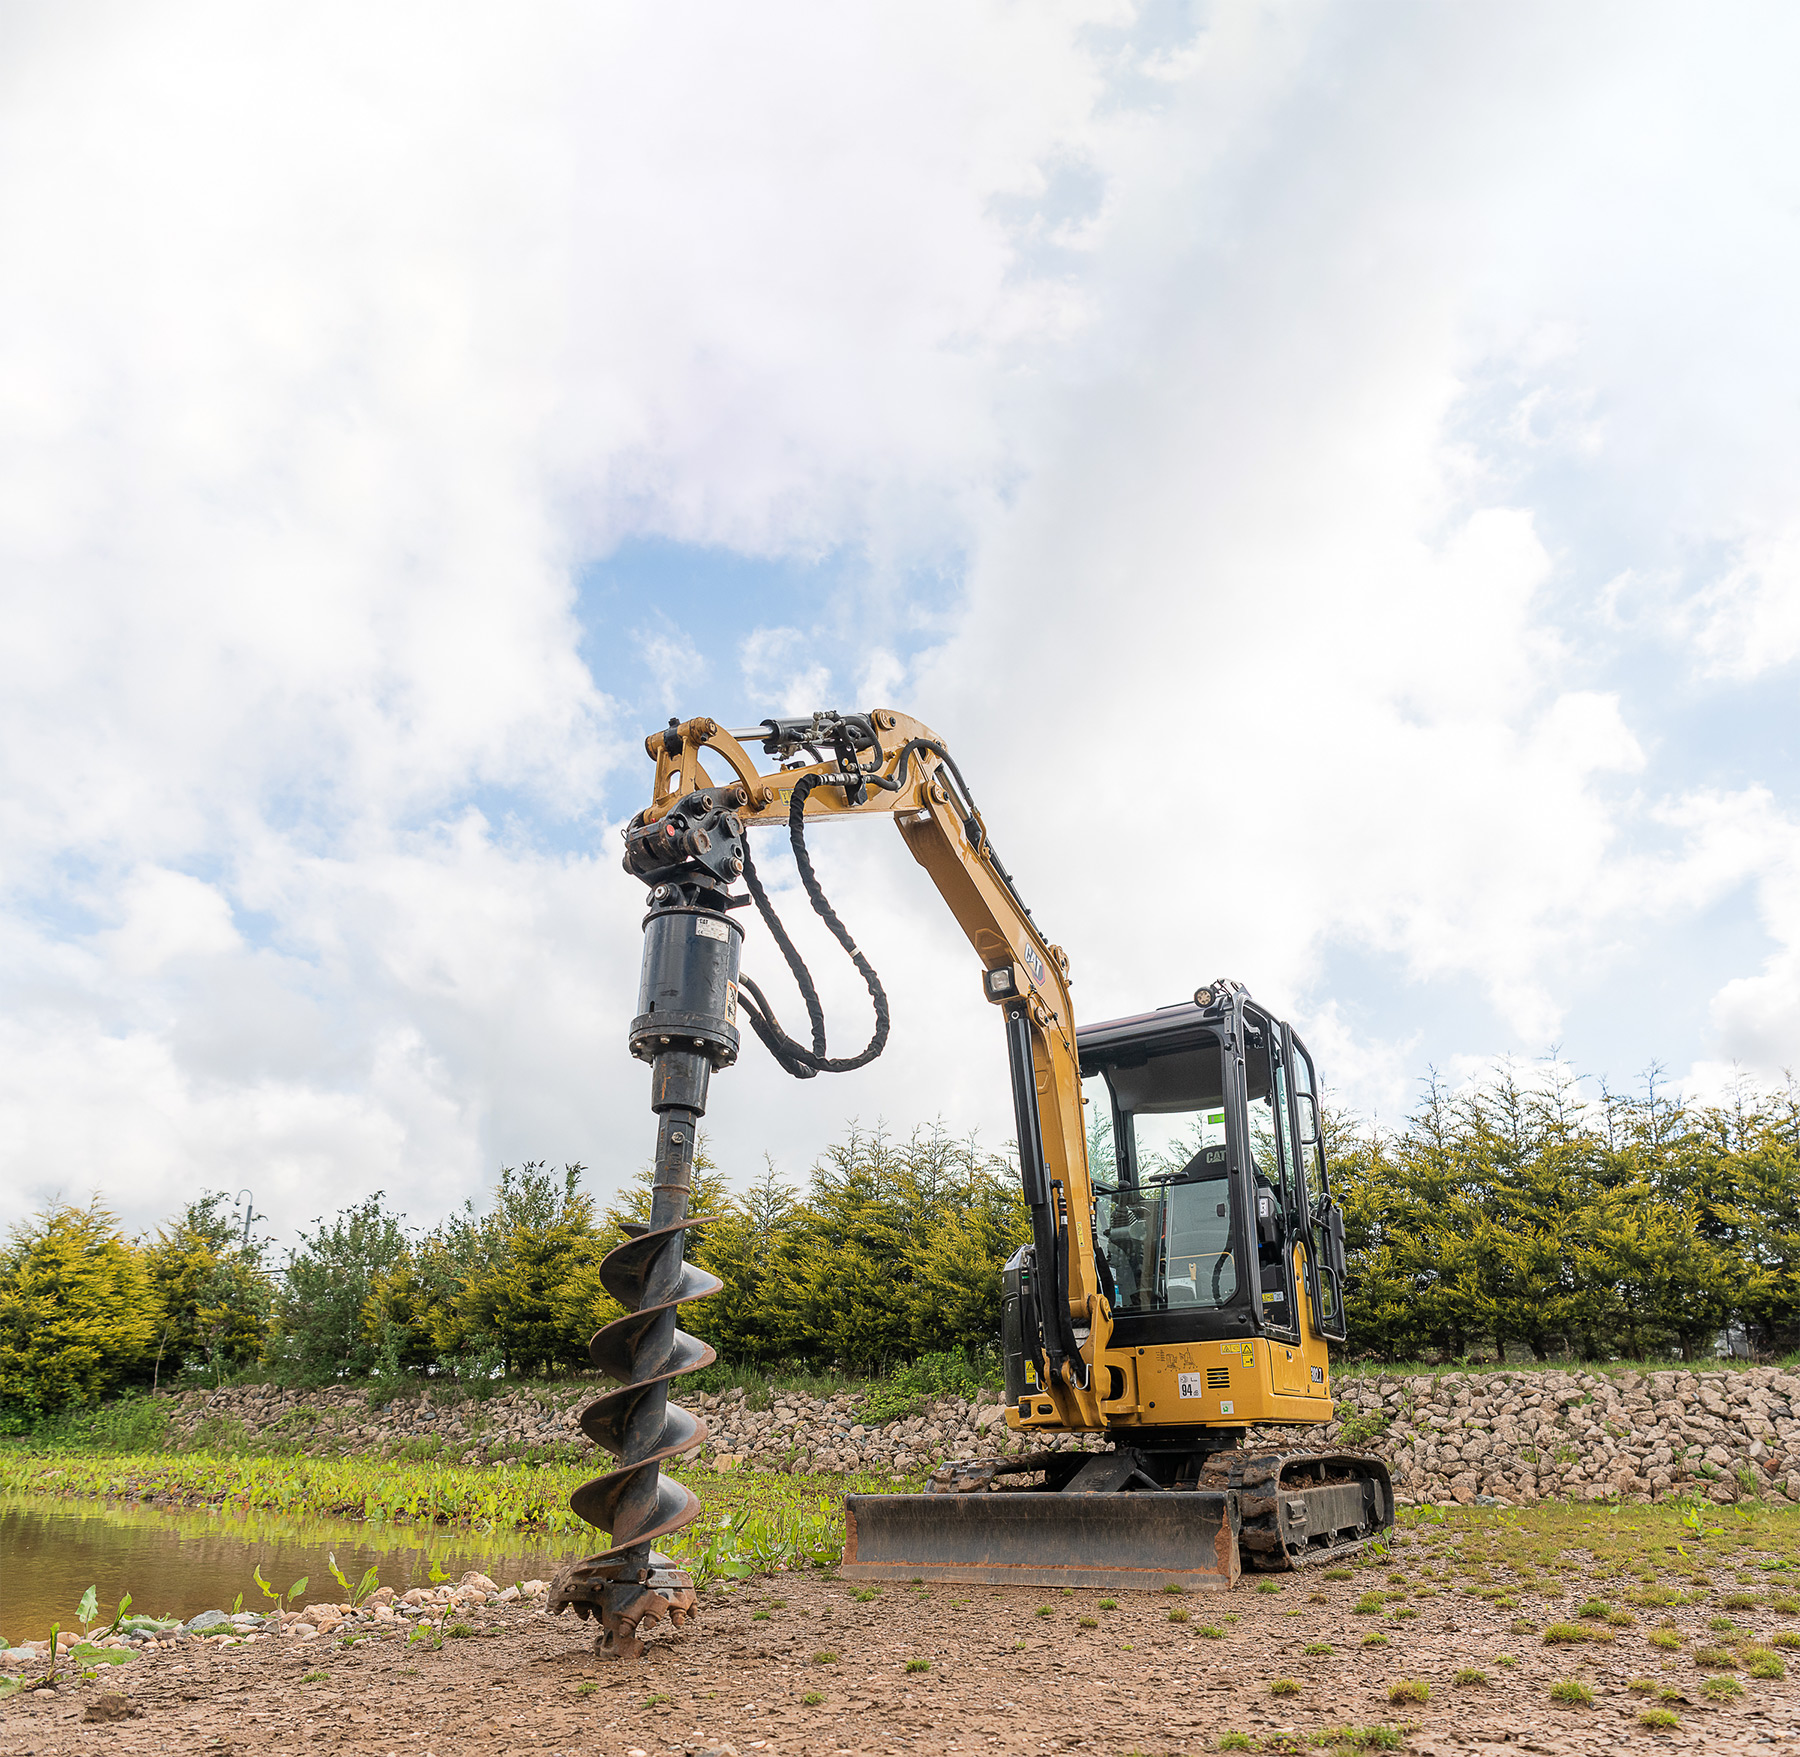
(795, 1058)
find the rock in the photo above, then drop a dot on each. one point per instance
(207, 1620)
(110, 1706)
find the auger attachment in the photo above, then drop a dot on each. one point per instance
(686, 1026)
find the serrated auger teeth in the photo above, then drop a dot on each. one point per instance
(635, 1504)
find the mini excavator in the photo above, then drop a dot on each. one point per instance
(1186, 1264)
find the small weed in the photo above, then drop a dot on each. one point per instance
(1572, 1693)
(1740, 1601)
(1178, 1615)
(1212, 1632)
(1369, 1605)
(1787, 1638)
(1658, 1719)
(1316, 1649)
(1558, 1634)
(1621, 1620)
(1043, 1610)
(1267, 1586)
(655, 1701)
(1642, 1686)
(866, 1594)
(1337, 1573)
(1108, 1604)
(1087, 1622)
(1284, 1687)
(459, 1632)
(1764, 1664)
(586, 1689)
(1175, 1589)
(827, 1657)
(1234, 1742)
(812, 1699)
(1787, 1605)
(1714, 1656)
(1469, 1675)
(1409, 1690)
(1722, 1626)
(759, 1616)
(1506, 1659)
(1722, 1687)
(1667, 1639)
(1594, 1608)
(918, 1665)
(1403, 1613)
(314, 1677)
(1374, 1639)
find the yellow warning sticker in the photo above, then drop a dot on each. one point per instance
(1031, 1372)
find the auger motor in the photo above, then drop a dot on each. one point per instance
(686, 1026)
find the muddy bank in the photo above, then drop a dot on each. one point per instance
(800, 1663)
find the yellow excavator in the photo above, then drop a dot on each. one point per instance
(1186, 1264)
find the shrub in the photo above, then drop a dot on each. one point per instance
(77, 1315)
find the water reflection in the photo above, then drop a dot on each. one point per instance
(182, 1562)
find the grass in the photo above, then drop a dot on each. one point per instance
(1211, 1632)
(315, 1677)
(1572, 1693)
(827, 1657)
(918, 1665)
(1234, 1742)
(812, 1698)
(1409, 1690)
(1764, 1664)
(1316, 1649)
(1374, 1639)
(1667, 1639)
(1658, 1719)
(1284, 1687)
(1721, 1688)
(1468, 1676)
(1178, 1615)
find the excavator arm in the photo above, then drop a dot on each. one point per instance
(887, 762)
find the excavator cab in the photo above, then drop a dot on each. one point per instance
(1212, 1216)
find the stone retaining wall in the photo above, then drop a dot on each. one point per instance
(1508, 1436)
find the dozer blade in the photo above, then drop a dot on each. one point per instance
(1027, 1538)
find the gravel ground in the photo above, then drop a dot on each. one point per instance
(949, 1669)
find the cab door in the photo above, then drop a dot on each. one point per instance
(1324, 1226)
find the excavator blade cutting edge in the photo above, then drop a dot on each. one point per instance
(1122, 1542)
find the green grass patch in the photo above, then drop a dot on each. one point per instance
(1667, 1639)
(1658, 1720)
(1284, 1687)
(1469, 1675)
(918, 1665)
(1722, 1688)
(1409, 1690)
(1572, 1693)
(1316, 1649)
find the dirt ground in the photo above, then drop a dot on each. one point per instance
(941, 1669)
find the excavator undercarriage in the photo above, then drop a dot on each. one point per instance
(1185, 1267)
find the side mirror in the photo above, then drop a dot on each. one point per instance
(1307, 1108)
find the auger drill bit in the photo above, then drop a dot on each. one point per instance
(686, 1026)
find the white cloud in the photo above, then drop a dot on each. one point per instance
(1291, 390)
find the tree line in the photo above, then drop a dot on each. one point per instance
(1508, 1218)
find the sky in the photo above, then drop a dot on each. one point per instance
(1330, 473)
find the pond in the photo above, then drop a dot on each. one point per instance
(182, 1562)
